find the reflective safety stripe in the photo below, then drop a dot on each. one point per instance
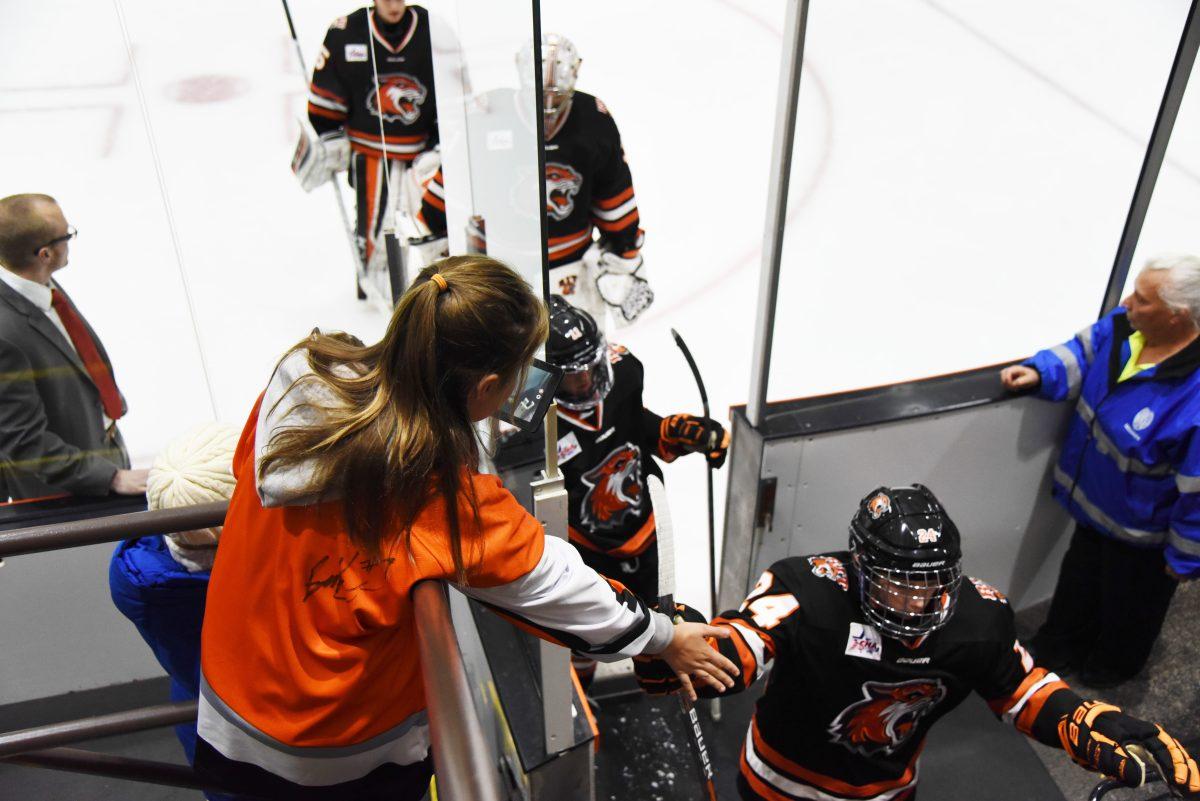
(1182, 543)
(1187, 483)
(795, 789)
(1085, 339)
(1139, 536)
(1105, 445)
(239, 740)
(1074, 371)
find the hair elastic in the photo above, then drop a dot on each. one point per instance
(438, 279)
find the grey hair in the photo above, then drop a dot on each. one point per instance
(1181, 292)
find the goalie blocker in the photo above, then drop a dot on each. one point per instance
(871, 647)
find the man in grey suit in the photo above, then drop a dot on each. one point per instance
(59, 402)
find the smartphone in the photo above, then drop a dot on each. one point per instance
(527, 407)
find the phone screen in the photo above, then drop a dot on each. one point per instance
(527, 407)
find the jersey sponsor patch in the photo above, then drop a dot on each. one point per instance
(568, 448)
(563, 183)
(399, 97)
(615, 493)
(864, 642)
(831, 568)
(887, 715)
(356, 52)
(987, 591)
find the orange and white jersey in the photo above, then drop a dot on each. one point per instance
(309, 665)
(847, 710)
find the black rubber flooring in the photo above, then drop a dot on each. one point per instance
(645, 756)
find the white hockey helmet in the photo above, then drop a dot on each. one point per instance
(560, 68)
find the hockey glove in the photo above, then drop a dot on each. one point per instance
(654, 675)
(317, 158)
(1100, 737)
(684, 433)
(619, 285)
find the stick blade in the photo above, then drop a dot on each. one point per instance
(665, 532)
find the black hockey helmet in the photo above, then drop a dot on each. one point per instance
(908, 559)
(577, 345)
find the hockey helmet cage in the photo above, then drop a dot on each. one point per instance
(560, 69)
(577, 345)
(908, 560)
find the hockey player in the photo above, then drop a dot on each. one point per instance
(870, 647)
(346, 104)
(606, 441)
(588, 186)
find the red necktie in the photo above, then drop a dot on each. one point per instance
(85, 346)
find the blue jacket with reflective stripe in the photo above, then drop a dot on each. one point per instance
(1130, 463)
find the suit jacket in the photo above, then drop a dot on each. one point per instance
(52, 435)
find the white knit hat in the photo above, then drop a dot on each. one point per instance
(194, 468)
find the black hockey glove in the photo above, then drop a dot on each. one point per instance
(1100, 737)
(654, 675)
(685, 433)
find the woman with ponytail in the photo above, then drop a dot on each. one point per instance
(356, 479)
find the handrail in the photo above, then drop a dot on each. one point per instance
(72, 731)
(113, 528)
(460, 754)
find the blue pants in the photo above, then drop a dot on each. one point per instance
(166, 604)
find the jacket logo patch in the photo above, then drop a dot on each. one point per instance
(563, 182)
(356, 52)
(399, 97)
(864, 642)
(887, 716)
(614, 490)
(1143, 419)
(831, 568)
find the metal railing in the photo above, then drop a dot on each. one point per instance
(460, 754)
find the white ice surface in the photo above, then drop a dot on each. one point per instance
(962, 173)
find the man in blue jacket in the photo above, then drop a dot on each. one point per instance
(1129, 472)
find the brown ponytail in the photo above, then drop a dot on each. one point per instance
(401, 418)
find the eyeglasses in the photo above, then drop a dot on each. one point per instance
(72, 232)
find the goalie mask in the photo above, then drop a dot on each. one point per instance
(577, 345)
(560, 68)
(907, 559)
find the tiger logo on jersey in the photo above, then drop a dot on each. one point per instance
(563, 182)
(831, 568)
(614, 489)
(887, 716)
(400, 95)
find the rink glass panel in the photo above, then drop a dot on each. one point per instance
(1171, 219)
(984, 160)
(490, 144)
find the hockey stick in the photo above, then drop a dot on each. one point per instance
(714, 707)
(665, 533)
(360, 269)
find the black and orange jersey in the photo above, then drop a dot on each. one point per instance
(343, 93)
(846, 710)
(605, 455)
(588, 186)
